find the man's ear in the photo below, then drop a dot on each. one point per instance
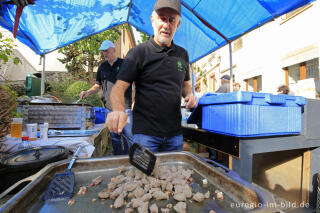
(179, 23)
(152, 20)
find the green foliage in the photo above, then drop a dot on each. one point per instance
(144, 37)
(72, 60)
(8, 108)
(6, 50)
(58, 88)
(202, 74)
(74, 90)
(18, 88)
(16, 60)
(11, 100)
(83, 56)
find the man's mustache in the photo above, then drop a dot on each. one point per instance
(166, 31)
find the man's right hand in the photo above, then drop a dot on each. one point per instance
(83, 94)
(116, 121)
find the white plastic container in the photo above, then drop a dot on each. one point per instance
(43, 131)
(32, 131)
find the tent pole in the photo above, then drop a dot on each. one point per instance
(231, 74)
(121, 34)
(43, 74)
(192, 80)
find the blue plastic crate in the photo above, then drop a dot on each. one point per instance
(100, 113)
(250, 114)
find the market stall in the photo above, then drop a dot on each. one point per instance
(205, 26)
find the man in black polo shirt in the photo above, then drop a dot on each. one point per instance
(160, 70)
(106, 78)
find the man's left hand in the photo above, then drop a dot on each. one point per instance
(191, 100)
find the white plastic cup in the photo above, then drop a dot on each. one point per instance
(32, 131)
(43, 131)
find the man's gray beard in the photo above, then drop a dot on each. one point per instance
(165, 41)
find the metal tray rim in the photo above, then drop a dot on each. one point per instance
(35, 179)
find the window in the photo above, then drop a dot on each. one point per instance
(308, 69)
(259, 83)
(305, 70)
(250, 85)
(212, 56)
(313, 68)
(294, 74)
(254, 84)
(203, 65)
(237, 44)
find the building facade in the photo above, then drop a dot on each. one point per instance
(282, 52)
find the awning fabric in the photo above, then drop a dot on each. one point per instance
(48, 25)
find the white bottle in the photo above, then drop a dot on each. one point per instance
(32, 131)
(43, 131)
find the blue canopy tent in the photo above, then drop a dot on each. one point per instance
(206, 25)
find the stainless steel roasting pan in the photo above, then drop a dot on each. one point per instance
(239, 195)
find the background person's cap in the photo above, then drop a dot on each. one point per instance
(106, 45)
(226, 77)
(172, 4)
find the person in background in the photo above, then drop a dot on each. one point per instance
(160, 70)
(236, 86)
(106, 77)
(198, 93)
(225, 84)
(283, 89)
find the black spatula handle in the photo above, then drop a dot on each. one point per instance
(75, 156)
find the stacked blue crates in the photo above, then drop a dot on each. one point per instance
(100, 113)
(250, 114)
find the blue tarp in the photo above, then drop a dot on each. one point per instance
(51, 24)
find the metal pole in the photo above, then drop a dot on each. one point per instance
(43, 74)
(121, 34)
(231, 77)
(192, 80)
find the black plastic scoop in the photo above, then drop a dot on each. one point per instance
(62, 184)
(142, 158)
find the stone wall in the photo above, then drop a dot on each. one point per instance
(55, 76)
